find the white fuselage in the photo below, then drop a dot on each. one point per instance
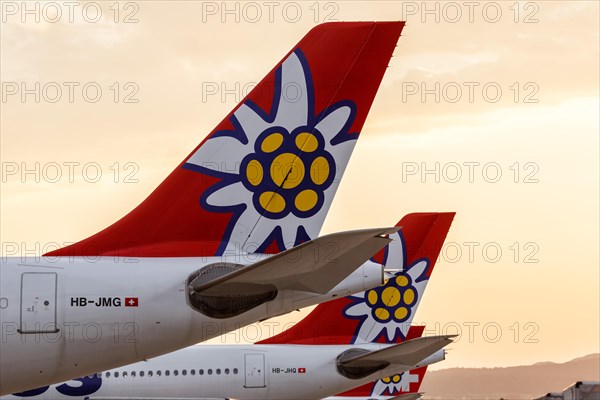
(63, 318)
(244, 372)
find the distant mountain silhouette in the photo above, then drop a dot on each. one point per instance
(521, 382)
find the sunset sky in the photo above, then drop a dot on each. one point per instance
(509, 117)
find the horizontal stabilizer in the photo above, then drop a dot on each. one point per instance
(358, 363)
(316, 266)
(408, 353)
(408, 396)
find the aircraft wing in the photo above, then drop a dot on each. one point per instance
(316, 266)
(407, 353)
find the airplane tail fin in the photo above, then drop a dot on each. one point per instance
(382, 314)
(264, 178)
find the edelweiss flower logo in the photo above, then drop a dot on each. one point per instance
(400, 296)
(395, 384)
(279, 167)
(388, 310)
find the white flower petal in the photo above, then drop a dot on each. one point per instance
(395, 256)
(289, 230)
(369, 330)
(379, 388)
(418, 269)
(230, 195)
(420, 286)
(259, 231)
(390, 330)
(313, 225)
(243, 226)
(341, 153)
(221, 153)
(292, 110)
(333, 123)
(357, 310)
(252, 124)
(405, 326)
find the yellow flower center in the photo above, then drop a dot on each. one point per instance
(307, 142)
(254, 173)
(390, 296)
(319, 170)
(402, 281)
(382, 314)
(306, 200)
(401, 313)
(372, 297)
(287, 170)
(272, 142)
(272, 202)
(409, 296)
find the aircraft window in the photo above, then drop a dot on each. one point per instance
(124, 374)
(235, 371)
(167, 373)
(158, 373)
(116, 374)
(193, 371)
(201, 372)
(133, 374)
(108, 374)
(210, 371)
(149, 373)
(226, 371)
(218, 371)
(184, 372)
(176, 372)
(141, 373)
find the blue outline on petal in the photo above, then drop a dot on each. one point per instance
(385, 333)
(275, 236)
(272, 114)
(404, 251)
(361, 318)
(310, 87)
(237, 133)
(301, 236)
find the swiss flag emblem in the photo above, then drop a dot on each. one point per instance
(301, 370)
(131, 301)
